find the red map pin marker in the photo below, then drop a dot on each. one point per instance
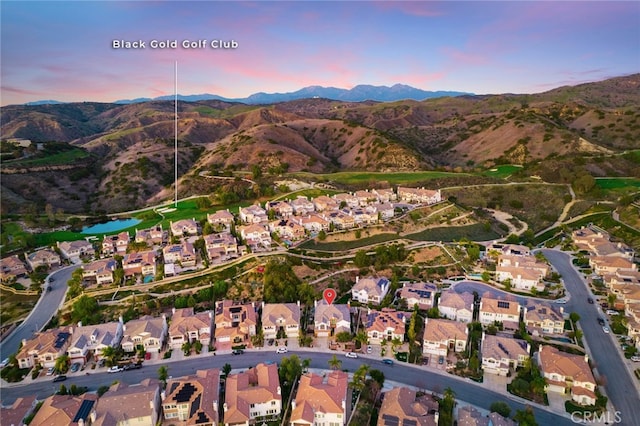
(329, 295)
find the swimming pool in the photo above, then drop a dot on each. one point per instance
(111, 226)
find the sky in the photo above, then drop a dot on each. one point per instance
(64, 50)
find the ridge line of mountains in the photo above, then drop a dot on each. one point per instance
(359, 93)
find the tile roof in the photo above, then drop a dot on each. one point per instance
(401, 406)
(273, 313)
(260, 384)
(54, 340)
(455, 300)
(317, 395)
(439, 330)
(185, 320)
(571, 366)
(64, 410)
(13, 415)
(124, 402)
(200, 390)
(498, 347)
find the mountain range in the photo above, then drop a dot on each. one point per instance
(111, 157)
(362, 92)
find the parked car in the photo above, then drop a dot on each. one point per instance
(282, 350)
(387, 361)
(132, 366)
(49, 288)
(351, 355)
(115, 369)
(369, 349)
(440, 360)
(635, 358)
(4, 363)
(590, 300)
(237, 352)
(50, 371)
(606, 330)
(601, 321)
(75, 367)
(561, 301)
(611, 312)
(60, 378)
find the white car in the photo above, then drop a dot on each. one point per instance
(605, 329)
(635, 358)
(4, 363)
(369, 349)
(611, 312)
(115, 369)
(282, 350)
(351, 355)
(561, 301)
(50, 371)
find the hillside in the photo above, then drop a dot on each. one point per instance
(128, 149)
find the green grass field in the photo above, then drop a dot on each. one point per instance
(503, 171)
(347, 245)
(66, 157)
(618, 183)
(400, 178)
(309, 193)
(475, 232)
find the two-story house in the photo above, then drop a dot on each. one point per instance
(419, 195)
(253, 215)
(115, 244)
(330, 319)
(543, 319)
(73, 251)
(253, 396)
(456, 306)
(386, 324)
(124, 405)
(44, 348)
(11, 268)
(100, 271)
(193, 400)
(564, 372)
(188, 326)
(148, 333)
(45, 257)
(403, 406)
(280, 320)
(442, 335)
(139, 263)
(320, 400)
(370, 289)
(500, 355)
(235, 324)
(91, 340)
(222, 220)
(221, 247)
(421, 294)
(302, 206)
(256, 236)
(506, 312)
(184, 228)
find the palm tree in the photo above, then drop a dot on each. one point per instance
(62, 364)
(335, 363)
(163, 373)
(395, 343)
(109, 354)
(359, 377)
(306, 363)
(362, 338)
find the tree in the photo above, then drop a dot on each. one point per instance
(62, 364)
(343, 337)
(186, 348)
(395, 344)
(501, 408)
(574, 317)
(306, 363)
(85, 310)
(361, 260)
(377, 376)
(163, 373)
(289, 370)
(525, 417)
(109, 354)
(335, 363)
(322, 235)
(226, 369)
(198, 346)
(359, 377)
(362, 338)
(63, 390)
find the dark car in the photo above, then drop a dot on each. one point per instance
(590, 300)
(132, 366)
(60, 378)
(237, 352)
(49, 288)
(387, 361)
(601, 321)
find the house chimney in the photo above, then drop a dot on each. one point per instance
(215, 406)
(120, 319)
(93, 416)
(586, 358)
(225, 407)
(436, 417)
(24, 342)
(79, 324)
(173, 311)
(263, 304)
(315, 303)
(357, 279)
(293, 405)
(343, 405)
(298, 302)
(163, 395)
(279, 391)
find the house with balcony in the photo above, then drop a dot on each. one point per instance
(67, 410)
(253, 396)
(324, 203)
(222, 220)
(339, 219)
(90, 340)
(280, 320)
(456, 306)
(384, 211)
(183, 254)
(148, 333)
(11, 268)
(302, 206)
(152, 236)
(253, 215)
(100, 271)
(192, 400)
(543, 319)
(370, 289)
(45, 257)
(184, 228)
(221, 247)
(364, 216)
(287, 229)
(603, 265)
(500, 355)
(321, 400)
(330, 319)
(567, 373)
(419, 195)
(139, 263)
(235, 324)
(312, 222)
(523, 271)
(115, 244)
(124, 405)
(257, 237)
(442, 335)
(281, 209)
(385, 195)
(73, 251)
(506, 312)
(386, 325)
(44, 348)
(189, 326)
(403, 406)
(365, 197)
(346, 200)
(421, 294)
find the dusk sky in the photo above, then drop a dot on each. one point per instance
(64, 50)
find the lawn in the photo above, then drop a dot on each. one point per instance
(15, 307)
(347, 245)
(399, 178)
(618, 183)
(13, 237)
(503, 171)
(475, 232)
(309, 193)
(66, 157)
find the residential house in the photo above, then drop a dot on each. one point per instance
(183, 254)
(442, 335)
(193, 400)
(385, 195)
(100, 271)
(74, 250)
(253, 215)
(280, 208)
(403, 406)
(235, 323)
(524, 272)
(188, 326)
(324, 203)
(370, 289)
(184, 228)
(11, 268)
(221, 247)
(456, 306)
(503, 249)
(302, 206)
(115, 244)
(421, 294)
(312, 222)
(347, 200)
(44, 348)
(280, 319)
(611, 264)
(330, 319)
(362, 217)
(287, 229)
(500, 355)
(542, 319)
(419, 195)
(148, 333)
(387, 324)
(567, 372)
(506, 312)
(321, 400)
(339, 219)
(365, 197)
(15, 414)
(256, 236)
(470, 416)
(385, 211)
(496, 419)
(597, 243)
(44, 257)
(253, 396)
(68, 410)
(152, 236)
(221, 220)
(90, 340)
(139, 263)
(126, 405)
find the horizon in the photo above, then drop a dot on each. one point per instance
(281, 47)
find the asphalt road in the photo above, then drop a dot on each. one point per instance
(42, 313)
(606, 356)
(465, 390)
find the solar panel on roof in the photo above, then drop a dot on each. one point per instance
(83, 412)
(202, 418)
(409, 422)
(61, 338)
(503, 304)
(195, 405)
(185, 393)
(390, 420)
